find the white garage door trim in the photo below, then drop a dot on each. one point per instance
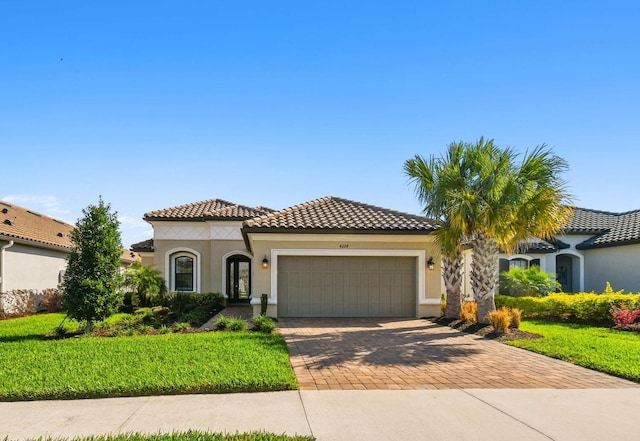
(420, 254)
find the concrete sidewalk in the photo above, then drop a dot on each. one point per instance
(462, 414)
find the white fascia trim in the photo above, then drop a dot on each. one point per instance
(224, 270)
(167, 266)
(419, 254)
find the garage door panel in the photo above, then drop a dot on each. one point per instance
(319, 286)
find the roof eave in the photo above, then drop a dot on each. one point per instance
(35, 243)
(590, 246)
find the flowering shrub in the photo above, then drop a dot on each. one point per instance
(623, 317)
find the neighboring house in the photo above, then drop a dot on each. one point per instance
(330, 257)
(34, 249)
(595, 247)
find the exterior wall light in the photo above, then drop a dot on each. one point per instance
(265, 262)
(431, 264)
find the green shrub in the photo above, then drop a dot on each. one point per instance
(262, 323)
(237, 324)
(181, 326)
(528, 282)
(192, 307)
(588, 308)
(222, 322)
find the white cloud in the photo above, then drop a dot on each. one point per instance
(46, 204)
(132, 222)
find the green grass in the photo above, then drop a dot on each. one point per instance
(195, 436)
(89, 367)
(602, 349)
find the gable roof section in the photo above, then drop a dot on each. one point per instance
(19, 223)
(336, 215)
(624, 229)
(211, 209)
(146, 246)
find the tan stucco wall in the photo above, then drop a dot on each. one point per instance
(147, 259)
(262, 277)
(618, 265)
(27, 267)
(211, 264)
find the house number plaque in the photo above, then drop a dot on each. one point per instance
(344, 245)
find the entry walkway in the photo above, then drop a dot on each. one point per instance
(352, 354)
(434, 415)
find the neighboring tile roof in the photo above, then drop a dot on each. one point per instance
(624, 229)
(20, 223)
(129, 256)
(27, 225)
(212, 209)
(144, 246)
(332, 214)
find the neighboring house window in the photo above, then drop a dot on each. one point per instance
(183, 272)
(518, 263)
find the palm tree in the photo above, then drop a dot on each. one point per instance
(434, 180)
(494, 203)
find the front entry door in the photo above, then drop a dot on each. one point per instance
(239, 279)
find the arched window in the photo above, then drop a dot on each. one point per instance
(183, 272)
(518, 263)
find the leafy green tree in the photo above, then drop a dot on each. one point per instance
(492, 201)
(529, 281)
(143, 282)
(92, 278)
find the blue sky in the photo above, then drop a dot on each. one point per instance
(155, 104)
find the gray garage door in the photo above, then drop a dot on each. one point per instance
(318, 286)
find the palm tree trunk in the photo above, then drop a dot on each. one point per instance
(452, 275)
(484, 275)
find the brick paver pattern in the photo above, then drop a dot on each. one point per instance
(419, 354)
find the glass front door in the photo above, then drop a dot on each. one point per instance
(239, 279)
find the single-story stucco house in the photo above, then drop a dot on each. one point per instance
(34, 249)
(594, 248)
(330, 257)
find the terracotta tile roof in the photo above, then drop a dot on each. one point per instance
(212, 209)
(27, 225)
(624, 229)
(129, 256)
(144, 246)
(19, 223)
(332, 214)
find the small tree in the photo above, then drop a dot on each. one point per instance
(529, 282)
(93, 275)
(143, 282)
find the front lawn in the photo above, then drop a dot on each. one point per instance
(90, 367)
(602, 349)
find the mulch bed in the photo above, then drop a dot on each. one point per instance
(486, 331)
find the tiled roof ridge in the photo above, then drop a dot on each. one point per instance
(592, 210)
(191, 204)
(375, 207)
(324, 203)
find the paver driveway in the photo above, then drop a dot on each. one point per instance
(419, 354)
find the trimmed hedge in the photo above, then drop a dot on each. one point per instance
(588, 308)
